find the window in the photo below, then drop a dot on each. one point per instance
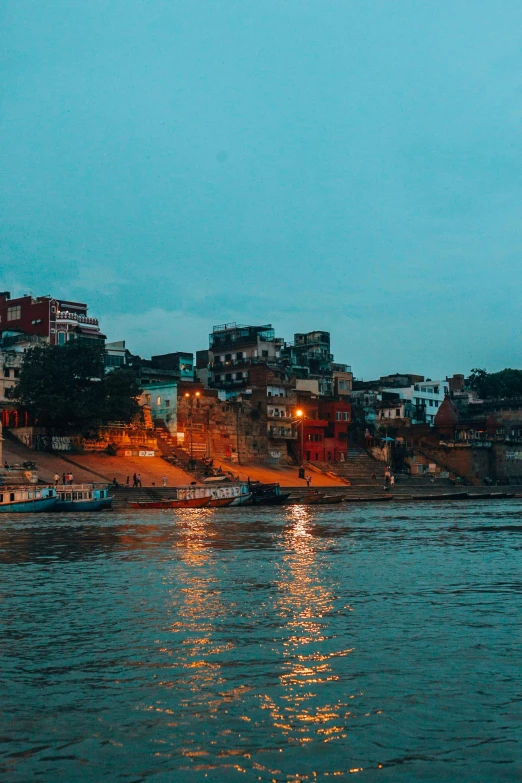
(398, 412)
(14, 313)
(228, 376)
(346, 416)
(147, 397)
(264, 353)
(339, 416)
(239, 376)
(53, 309)
(217, 377)
(167, 403)
(158, 401)
(228, 357)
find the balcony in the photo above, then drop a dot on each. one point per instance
(65, 315)
(286, 433)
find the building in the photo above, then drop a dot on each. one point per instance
(13, 346)
(56, 320)
(234, 349)
(180, 361)
(164, 368)
(162, 399)
(309, 358)
(323, 430)
(426, 397)
(116, 355)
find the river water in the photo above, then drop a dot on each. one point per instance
(381, 642)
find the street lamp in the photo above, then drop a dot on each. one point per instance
(300, 415)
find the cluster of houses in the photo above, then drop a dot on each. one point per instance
(252, 396)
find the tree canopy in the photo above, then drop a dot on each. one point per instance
(506, 383)
(66, 386)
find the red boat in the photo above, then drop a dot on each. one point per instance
(190, 503)
(219, 502)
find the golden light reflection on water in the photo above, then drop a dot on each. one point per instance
(196, 607)
(304, 712)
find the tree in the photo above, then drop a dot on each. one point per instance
(504, 384)
(66, 387)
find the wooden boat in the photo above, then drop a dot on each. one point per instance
(311, 498)
(190, 503)
(442, 496)
(23, 499)
(82, 497)
(268, 495)
(330, 500)
(219, 502)
(170, 503)
(369, 499)
(492, 496)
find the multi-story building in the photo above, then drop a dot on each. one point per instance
(56, 320)
(426, 398)
(116, 355)
(234, 349)
(164, 368)
(309, 358)
(13, 346)
(162, 399)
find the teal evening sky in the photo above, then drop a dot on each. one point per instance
(349, 166)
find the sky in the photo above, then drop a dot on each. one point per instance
(351, 166)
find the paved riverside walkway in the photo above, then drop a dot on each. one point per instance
(95, 467)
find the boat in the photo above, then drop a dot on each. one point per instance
(442, 496)
(330, 500)
(82, 497)
(268, 494)
(242, 500)
(219, 502)
(492, 496)
(311, 497)
(23, 499)
(167, 503)
(369, 499)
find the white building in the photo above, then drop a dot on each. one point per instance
(426, 398)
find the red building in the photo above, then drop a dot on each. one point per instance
(325, 431)
(56, 320)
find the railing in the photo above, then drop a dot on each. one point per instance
(65, 315)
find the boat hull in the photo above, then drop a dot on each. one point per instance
(29, 506)
(84, 505)
(242, 500)
(271, 500)
(220, 502)
(166, 504)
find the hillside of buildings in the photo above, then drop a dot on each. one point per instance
(255, 404)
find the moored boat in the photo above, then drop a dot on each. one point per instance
(167, 503)
(268, 494)
(310, 498)
(329, 500)
(82, 497)
(26, 499)
(369, 499)
(442, 496)
(219, 502)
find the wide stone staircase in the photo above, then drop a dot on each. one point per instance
(366, 477)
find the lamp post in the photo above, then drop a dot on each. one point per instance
(300, 415)
(190, 396)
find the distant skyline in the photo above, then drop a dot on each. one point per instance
(346, 166)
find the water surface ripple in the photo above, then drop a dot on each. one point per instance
(263, 644)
